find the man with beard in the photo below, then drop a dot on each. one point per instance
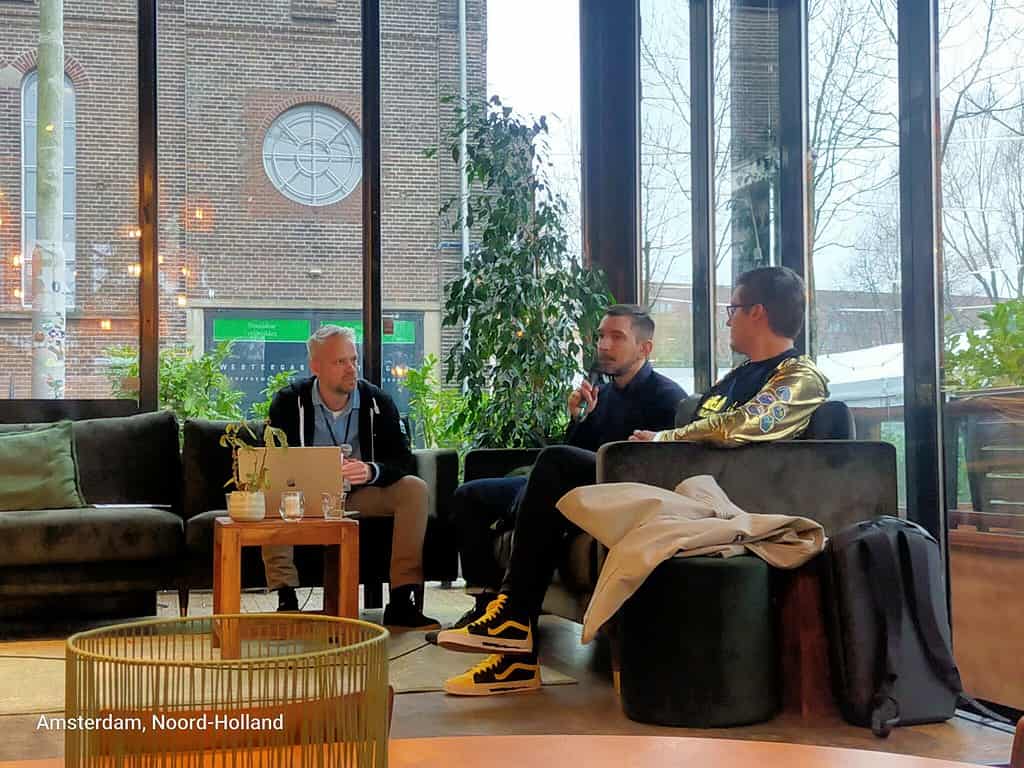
(335, 407)
(637, 398)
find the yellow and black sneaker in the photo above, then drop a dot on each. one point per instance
(499, 630)
(500, 673)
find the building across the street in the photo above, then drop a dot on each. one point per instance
(260, 233)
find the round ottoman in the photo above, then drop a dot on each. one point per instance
(698, 646)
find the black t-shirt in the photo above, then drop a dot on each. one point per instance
(740, 385)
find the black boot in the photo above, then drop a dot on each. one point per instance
(474, 613)
(287, 600)
(403, 613)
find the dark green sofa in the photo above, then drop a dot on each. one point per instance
(100, 561)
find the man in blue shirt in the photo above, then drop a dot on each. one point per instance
(336, 407)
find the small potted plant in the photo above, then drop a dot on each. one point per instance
(247, 501)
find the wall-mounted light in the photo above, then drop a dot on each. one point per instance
(186, 272)
(49, 128)
(17, 293)
(16, 260)
(199, 214)
(159, 259)
(106, 325)
(135, 270)
(182, 301)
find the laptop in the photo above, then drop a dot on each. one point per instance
(310, 470)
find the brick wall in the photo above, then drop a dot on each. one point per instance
(227, 236)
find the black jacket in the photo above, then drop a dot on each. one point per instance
(381, 433)
(648, 402)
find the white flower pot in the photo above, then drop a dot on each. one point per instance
(247, 506)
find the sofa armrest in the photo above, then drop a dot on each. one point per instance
(497, 462)
(835, 482)
(439, 469)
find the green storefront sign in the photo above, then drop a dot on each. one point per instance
(404, 331)
(298, 330)
(258, 329)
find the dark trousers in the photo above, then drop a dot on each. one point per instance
(541, 531)
(483, 508)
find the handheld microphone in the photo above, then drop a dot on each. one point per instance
(594, 379)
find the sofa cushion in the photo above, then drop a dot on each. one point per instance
(52, 536)
(126, 459)
(37, 469)
(130, 460)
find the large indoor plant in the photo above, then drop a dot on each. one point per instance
(190, 386)
(527, 307)
(247, 501)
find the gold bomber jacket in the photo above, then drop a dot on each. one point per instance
(780, 410)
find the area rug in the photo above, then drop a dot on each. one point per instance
(32, 671)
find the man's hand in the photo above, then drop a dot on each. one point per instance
(356, 472)
(587, 393)
(642, 435)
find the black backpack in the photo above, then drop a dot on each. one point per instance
(889, 633)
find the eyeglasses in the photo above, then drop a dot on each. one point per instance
(730, 309)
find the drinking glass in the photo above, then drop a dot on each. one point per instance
(292, 503)
(333, 505)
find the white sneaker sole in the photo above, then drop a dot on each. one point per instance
(454, 640)
(495, 689)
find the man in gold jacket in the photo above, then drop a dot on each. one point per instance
(771, 396)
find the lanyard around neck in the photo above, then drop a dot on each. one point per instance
(330, 424)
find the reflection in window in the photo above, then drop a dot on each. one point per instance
(29, 91)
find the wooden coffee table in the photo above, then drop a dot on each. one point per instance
(341, 565)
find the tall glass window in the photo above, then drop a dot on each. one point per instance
(260, 194)
(665, 185)
(982, 155)
(854, 280)
(746, 152)
(68, 345)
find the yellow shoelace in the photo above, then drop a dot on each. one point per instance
(491, 662)
(493, 609)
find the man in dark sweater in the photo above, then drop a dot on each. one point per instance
(336, 407)
(637, 398)
(769, 397)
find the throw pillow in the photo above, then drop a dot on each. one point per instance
(38, 469)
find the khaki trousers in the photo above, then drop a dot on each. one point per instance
(405, 501)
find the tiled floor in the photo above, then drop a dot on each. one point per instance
(590, 707)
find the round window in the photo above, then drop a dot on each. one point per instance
(313, 155)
